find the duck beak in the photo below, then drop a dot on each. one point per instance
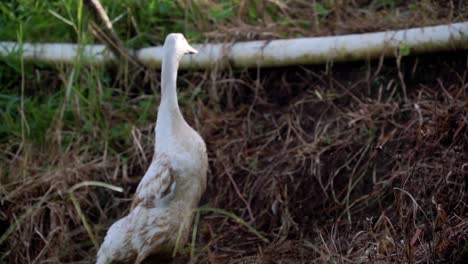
(191, 50)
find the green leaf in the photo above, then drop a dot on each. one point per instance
(378, 4)
(321, 10)
(405, 50)
(252, 10)
(222, 13)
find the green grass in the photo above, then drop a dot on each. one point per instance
(139, 23)
(89, 101)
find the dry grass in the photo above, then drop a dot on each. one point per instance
(343, 169)
(292, 18)
(358, 162)
(331, 164)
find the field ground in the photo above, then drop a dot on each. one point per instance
(341, 163)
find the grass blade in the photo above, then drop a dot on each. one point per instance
(64, 20)
(235, 218)
(95, 183)
(194, 236)
(77, 206)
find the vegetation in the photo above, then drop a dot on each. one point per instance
(351, 162)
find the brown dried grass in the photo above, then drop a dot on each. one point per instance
(331, 164)
(296, 18)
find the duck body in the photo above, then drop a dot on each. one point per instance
(166, 197)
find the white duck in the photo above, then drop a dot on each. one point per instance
(171, 189)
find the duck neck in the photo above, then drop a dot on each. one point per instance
(170, 64)
(169, 117)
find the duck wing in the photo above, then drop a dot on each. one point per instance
(157, 186)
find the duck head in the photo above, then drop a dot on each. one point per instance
(176, 43)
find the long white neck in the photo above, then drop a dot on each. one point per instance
(170, 64)
(169, 116)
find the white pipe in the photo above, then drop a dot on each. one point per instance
(271, 53)
(57, 52)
